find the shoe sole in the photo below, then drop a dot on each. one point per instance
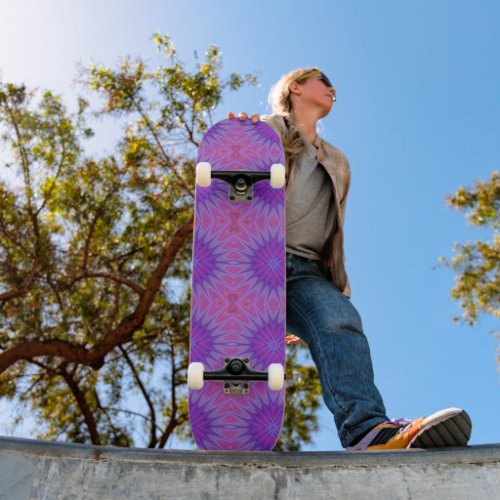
(451, 427)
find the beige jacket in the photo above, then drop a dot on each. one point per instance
(337, 166)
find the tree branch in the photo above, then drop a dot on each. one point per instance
(53, 184)
(121, 334)
(160, 146)
(82, 404)
(24, 288)
(153, 440)
(89, 238)
(114, 277)
(173, 421)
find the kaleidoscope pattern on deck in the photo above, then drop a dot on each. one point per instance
(238, 289)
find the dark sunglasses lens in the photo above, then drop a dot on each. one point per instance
(326, 80)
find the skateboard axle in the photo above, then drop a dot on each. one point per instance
(241, 182)
(236, 370)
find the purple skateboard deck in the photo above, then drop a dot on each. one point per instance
(238, 290)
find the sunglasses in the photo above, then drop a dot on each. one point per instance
(316, 72)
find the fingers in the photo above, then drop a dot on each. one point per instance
(292, 340)
(241, 116)
(244, 116)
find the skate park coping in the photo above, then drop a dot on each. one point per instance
(31, 469)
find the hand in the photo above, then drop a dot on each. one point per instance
(292, 340)
(243, 116)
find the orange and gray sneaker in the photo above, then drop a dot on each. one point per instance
(450, 427)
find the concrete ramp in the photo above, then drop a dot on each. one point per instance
(35, 469)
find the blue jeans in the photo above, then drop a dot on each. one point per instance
(325, 319)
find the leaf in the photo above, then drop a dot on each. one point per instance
(477, 265)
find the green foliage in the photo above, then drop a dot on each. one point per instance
(95, 254)
(303, 393)
(476, 264)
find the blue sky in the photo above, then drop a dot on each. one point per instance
(418, 115)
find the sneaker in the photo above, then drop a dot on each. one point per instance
(450, 427)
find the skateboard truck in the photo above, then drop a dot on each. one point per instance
(240, 181)
(236, 375)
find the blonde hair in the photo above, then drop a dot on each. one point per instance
(279, 99)
(279, 96)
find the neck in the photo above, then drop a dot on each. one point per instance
(307, 121)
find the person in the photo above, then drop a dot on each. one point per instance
(318, 306)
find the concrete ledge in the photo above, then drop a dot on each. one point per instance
(36, 469)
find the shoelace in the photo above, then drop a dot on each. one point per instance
(401, 421)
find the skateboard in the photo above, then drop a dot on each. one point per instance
(236, 392)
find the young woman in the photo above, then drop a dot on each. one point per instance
(319, 310)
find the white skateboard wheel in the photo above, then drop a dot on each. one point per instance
(277, 175)
(275, 376)
(195, 375)
(203, 174)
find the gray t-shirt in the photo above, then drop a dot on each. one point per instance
(310, 207)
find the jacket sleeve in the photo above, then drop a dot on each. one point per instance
(343, 202)
(347, 185)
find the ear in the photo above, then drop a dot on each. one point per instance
(294, 88)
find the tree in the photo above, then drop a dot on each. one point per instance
(477, 264)
(95, 254)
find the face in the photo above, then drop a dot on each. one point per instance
(316, 90)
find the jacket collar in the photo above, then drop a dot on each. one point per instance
(327, 160)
